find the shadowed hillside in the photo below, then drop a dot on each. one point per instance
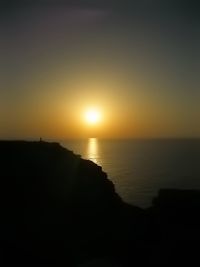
(57, 207)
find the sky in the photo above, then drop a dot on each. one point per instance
(137, 62)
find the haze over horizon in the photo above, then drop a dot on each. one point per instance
(137, 62)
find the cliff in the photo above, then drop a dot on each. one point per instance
(57, 207)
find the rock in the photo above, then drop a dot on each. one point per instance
(58, 208)
(55, 206)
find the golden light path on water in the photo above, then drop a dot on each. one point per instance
(92, 150)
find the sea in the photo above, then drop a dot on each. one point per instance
(139, 168)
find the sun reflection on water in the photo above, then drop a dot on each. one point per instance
(92, 150)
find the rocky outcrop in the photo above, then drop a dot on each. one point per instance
(57, 207)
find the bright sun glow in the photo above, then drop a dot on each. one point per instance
(92, 116)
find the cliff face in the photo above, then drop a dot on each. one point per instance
(57, 207)
(54, 204)
(41, 171)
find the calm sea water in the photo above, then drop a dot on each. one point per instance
(139, 168)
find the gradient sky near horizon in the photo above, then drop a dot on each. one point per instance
(136, 61)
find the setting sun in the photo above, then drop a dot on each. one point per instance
(92, 116)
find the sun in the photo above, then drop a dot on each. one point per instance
(92, 116)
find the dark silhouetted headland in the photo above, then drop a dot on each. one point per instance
(58, 208)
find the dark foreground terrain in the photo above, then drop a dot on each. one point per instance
(58, 208)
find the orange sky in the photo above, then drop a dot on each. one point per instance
(135, 63)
